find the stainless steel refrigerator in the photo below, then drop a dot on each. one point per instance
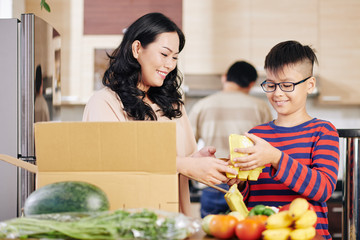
(29, 92)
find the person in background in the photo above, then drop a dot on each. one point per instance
(41, 107)
(229, 111)
(300, 152)
(142, 82)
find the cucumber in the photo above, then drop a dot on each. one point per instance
(68, 196)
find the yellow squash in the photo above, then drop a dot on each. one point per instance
(241, 141)
(235, 200)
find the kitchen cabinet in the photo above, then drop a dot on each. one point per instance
(113, 16)
(272, 22)
(217, 33)
(339, 53)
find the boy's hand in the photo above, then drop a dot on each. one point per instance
(260, 154)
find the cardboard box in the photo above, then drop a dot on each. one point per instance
(134, 163)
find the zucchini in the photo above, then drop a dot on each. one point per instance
(68, 196)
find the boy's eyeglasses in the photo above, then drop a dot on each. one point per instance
(284, 86)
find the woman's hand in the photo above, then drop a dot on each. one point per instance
(204, 166)
(208, 151)
(260, 154)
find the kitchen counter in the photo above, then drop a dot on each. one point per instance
(202, 236)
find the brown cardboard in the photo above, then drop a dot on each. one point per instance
(19, 163)
(133, 162)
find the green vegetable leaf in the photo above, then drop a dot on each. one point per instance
(268, 212)
(120, 224)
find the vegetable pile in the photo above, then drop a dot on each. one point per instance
(243, 226)
(80, 210)
(120, 224)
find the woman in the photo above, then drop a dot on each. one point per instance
(142, 82)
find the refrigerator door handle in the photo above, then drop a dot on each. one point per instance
(26, 180)
(27, 86)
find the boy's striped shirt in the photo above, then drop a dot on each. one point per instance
(308, 168)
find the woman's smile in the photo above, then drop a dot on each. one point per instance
(162, 74)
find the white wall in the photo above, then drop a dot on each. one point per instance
(5, 8)
(340, 116)
(12, 8)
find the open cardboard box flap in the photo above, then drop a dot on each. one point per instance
(134, 163)
(19, 163)
(107, 146)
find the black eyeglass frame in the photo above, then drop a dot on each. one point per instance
(279, 84)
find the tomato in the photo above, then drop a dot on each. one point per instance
(261, 220)
(284, 208)
(222, 226)
(249, 229)
(311, 207)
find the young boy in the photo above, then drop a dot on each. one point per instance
(301, 153)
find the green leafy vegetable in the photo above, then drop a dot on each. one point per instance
(119, 224)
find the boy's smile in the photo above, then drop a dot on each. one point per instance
(280, 102)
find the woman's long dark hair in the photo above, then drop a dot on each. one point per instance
(124, 70)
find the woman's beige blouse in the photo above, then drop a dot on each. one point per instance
(105, 105)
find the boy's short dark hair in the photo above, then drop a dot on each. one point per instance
(241, 73)
(289, 53)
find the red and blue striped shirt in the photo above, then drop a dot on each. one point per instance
(308, 168)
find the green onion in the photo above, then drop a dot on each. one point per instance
(104, 225)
